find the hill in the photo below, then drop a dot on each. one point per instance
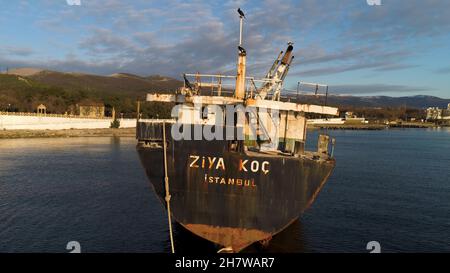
(116, 84)
(23, 89)
(419, 101)
(25, 71)
(380, 107)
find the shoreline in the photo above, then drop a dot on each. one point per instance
(348, 127)
(107, 132)
(374, 126)
(131, 132)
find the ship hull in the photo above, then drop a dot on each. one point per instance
(233, 198)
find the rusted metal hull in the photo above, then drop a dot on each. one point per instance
(230, 200)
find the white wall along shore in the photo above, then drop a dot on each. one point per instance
(30, 121)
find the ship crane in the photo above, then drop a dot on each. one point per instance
(277, 74)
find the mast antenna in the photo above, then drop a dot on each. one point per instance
(241, 67)
(241, 22)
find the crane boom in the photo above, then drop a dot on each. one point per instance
(277, 73)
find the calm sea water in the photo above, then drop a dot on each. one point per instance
(388, 186)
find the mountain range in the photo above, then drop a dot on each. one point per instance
(418, 101)
(25, 87)
(118, 83)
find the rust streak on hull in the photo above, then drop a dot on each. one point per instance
(236, 238)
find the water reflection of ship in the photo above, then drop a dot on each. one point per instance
(290, 240)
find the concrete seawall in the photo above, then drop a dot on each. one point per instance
(42, 122)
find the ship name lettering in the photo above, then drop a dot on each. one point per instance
(194, 161)
(265, 167)
(254, 166)
(212, 162)
(218, 163)
(242, 165)
(230, 181)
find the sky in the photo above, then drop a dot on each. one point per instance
(398, 48)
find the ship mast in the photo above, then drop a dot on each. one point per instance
(241, 65)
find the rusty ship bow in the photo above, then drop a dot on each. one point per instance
(235, 177)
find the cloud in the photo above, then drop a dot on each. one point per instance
(400, 20)
(377, 66)
(340, 69)
(208, 44)
(317, 55)
(104, 42)
(16, 51)
(67, 64)
(443, 70)
(173, 37)
(376, 88)
(351, 59)
(393, 67)
(73, 2)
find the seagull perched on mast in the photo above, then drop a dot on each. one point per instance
(241, 13)
(186, 82)
(242, 50)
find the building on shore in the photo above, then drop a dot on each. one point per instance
(324, 121)
(350, 118)
(436, 114)
(41, 109)
(92, 110)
